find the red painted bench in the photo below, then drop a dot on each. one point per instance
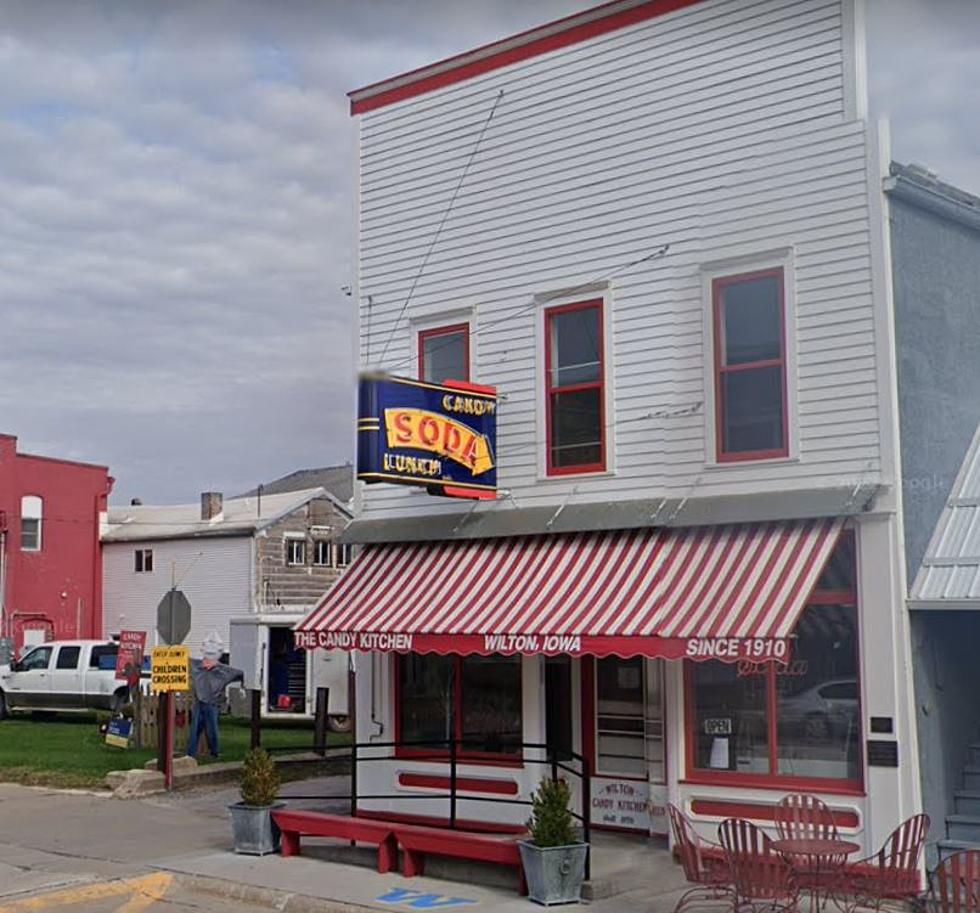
(416, 840)
(295, 824)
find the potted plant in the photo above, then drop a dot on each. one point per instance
(553, 857)
(254, 830)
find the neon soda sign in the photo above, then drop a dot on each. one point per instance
(438, 436)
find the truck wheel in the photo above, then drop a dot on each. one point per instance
(338, 723)
(3, 706)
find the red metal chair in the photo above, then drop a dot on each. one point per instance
(955, 884)
(893, 872)
(803, 817)
(704, 863)
(763, 879)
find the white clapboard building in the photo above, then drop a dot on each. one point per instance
(659, 231)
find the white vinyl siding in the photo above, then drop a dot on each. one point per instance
(719, 130)
(214, 575)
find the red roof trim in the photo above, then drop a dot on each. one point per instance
(558, 34)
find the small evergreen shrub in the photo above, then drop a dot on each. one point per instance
(551, 822)
(260, 779)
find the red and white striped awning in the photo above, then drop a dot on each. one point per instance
(713, 592)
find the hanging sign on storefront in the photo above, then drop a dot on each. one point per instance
(438, 436)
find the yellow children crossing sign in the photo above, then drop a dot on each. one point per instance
(170, 669)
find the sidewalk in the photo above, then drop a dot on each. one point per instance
(52, 839)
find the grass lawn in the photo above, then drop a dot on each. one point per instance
(66, 750)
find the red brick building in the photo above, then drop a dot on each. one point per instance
(50, 556)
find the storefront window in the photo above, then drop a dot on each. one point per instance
(490, 703)
(817, 722)
(795, 721)
(731, 725)
(474, 699)
(426, 698)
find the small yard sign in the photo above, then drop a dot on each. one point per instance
(170, 669)
(118, 732)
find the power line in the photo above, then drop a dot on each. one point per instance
(445, 216)
(655, 254)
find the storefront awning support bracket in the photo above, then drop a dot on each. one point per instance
(561, 507)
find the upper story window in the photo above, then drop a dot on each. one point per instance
(323, 553)
(574, 388)
(444, 353)
(295, 549)
(143, 561)
(31, 510)
(343, 555)
(750, 366)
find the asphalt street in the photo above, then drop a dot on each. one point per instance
(159, 892)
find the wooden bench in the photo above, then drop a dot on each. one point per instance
(295, 824)
(416, 840)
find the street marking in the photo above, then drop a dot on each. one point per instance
(419, 900)
(146, 889)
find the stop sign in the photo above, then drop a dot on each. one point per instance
(173, 617)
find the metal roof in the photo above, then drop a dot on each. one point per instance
(490, 519)
(338, 480)
(950, 572)
(239, 517)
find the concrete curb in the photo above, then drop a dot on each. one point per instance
(141, 782)
(284, 901)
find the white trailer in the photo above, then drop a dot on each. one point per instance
(262, 647)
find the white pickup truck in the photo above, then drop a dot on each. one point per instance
(69, 675)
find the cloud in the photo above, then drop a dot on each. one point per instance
(176, 203)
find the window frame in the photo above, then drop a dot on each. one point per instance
(497, 759)
(444, 330)
(773, 779)
(38, 519)
(140, 564)
(318, 545)
(602, 464)
(718, 283)
(341, 548)
(288, 543)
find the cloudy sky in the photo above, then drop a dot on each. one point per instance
(176, 211)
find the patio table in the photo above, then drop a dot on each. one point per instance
(819, 860)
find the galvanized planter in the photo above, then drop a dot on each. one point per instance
(254, 831)
(554, 873)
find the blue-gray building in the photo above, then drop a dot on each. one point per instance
(935, 250)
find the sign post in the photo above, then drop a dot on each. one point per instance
(169, 672)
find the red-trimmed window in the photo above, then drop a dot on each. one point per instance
(795, 725)
(444, 353)
(750, 366)
(475, 700)
(575, 388)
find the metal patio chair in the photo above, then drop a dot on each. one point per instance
(955, 884)
(764, 880)
(800, 816)
(891, 874)
(803, 817)
(704, 863)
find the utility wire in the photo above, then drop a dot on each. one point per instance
(655, 254)
(445, 216)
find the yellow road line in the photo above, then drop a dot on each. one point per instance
(146, 890)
